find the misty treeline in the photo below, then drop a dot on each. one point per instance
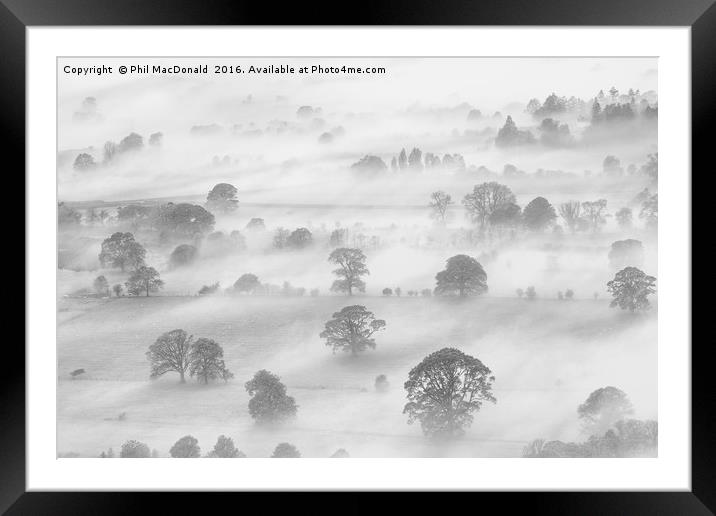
(141, 247)
(490, 208)
(604, 417)
(187, 447)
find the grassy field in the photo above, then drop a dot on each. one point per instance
(547, 356)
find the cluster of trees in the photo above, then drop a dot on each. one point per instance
(414, 161)
(187, 447)
(299, 238)
(426, 292)
(605, 418)
(493, 206)
(181, 220)
(122, 251)
(176, 351)
(509, 135)
(111, 150)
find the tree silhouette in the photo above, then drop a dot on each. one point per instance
(144, 280)
(630, 288)
(170, 352)
(463, 275)
(352, 330)
(444, 390)
(351, 266)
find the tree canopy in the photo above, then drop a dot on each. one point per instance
(134, 450)
(630, 288)
(538, 214)
(170, 352)
(269, 402)
(143, 281)
(121, 250)
(222, 198)
(186, 447)
(603, 408)
(463, 275)
(285, 451)
(485, 199)
(225, 449)
(443, 391)
(351, 266)
(206, 359)
(352, 329)
(247, 283)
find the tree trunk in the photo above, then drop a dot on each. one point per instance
(181, 377)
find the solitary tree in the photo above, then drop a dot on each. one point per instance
(630, 288)
(247, 283)
(206, 360)
(439, 204)
(538, 214)
(143, 281)
(222, 198)
(101, 285)
(186, 448)
(463, 275)
(444, 390)
(121, 250)
(570, 211)
(225, 449)
(351, 266)
(387, 291)
(485, 199)
(352, 329)
(603, 408)
(286, 451)
(269, 402)
(340, 453)
(170, 352)
(134, 450)
(117, 289)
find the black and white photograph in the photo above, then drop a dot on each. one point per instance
(357, 257)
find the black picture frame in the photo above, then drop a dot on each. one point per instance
(700, 15)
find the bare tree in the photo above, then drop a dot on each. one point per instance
(170, 352)
(485, 199)
(439, 203)
(570, 211)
